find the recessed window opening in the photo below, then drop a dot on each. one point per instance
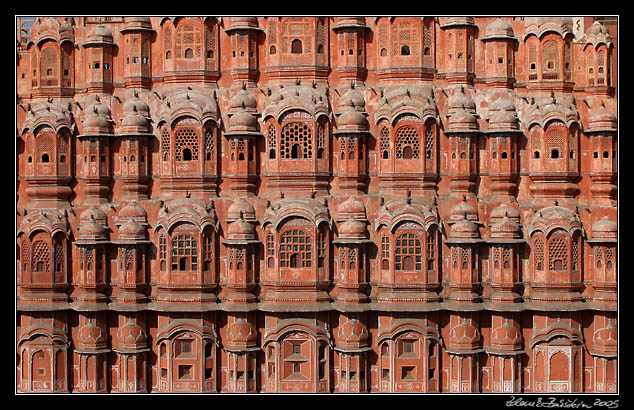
(187, 154)
(296, 47)
(405, 50)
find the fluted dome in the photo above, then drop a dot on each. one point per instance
(606, 339)
(91, 337)
(341, 22)
(506, 338)
(131, 335)
(241, 335)
(457, 21)
(352, 334)
(243, 23)
(464, 336)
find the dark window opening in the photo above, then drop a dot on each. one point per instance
(405, 50)
(536, 154)
(272, 50)
(189, 53)
(558, 264)
(295, 151)
(554, 154)
(187, 154)
(272, 154)
(386, 155)
(408, 153)
(44, 157)
(168, 55)
(296, 47)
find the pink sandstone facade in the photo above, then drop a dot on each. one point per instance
(316, 205)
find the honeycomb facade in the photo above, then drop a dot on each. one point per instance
(316, 205)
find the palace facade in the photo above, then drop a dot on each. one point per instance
(316, 204)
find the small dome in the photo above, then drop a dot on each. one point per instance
(91, 337)
(464, 228)
(243, 99)
(241, 229)
(241, 334)
(243, 121)
(99, 35)
(352, 229)
(460, 100)
(463, 120)
(504, 209)
(458, 21)
(131, 230)
(463, 210)
(341, 22)
(506, 337)
(97, 120)
(604, 228)
(505, 228)
(351, 118)
(240, 206)
(499, 28)
(464, 335)
(132, 335)
(602, 119)
(92, 224)
(352, 334)
(606, 338)
(244, 22)
(351, 208)
(137, 23)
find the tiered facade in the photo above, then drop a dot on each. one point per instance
(316, 204)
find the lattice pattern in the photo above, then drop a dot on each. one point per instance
(270, 245)
(574, 254)
(385, 246)
(165, 143)
(271, 136)
(429, 142)
(25, 255)
(455, 256)
(41, 257)
(272, 36)
(609, 254)
(431, 246)
(539, 253)
(295, 249)
(186, 138)
(45, 143)
(129, 258)
(550, 53)
(209, 141)
(187, 36)
(532, 53)
(506, 258)
(558, 251)
(407, 137)
(408, 252)
(168, 37)
(48, 62)
(406, 34)
(299, 135)
(321, 137)
(210, 40)
(184, 246)
(59, 257)
(554, 140)
(207, 248)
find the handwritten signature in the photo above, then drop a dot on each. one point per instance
(553, 402)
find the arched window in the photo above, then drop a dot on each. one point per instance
(407, 145)
(296, 140)
(558, 253)
(408, 254)
(189, 39)
(295, 249)
(539, 254)
(405, 50)
(184, 253)
(186, 145)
